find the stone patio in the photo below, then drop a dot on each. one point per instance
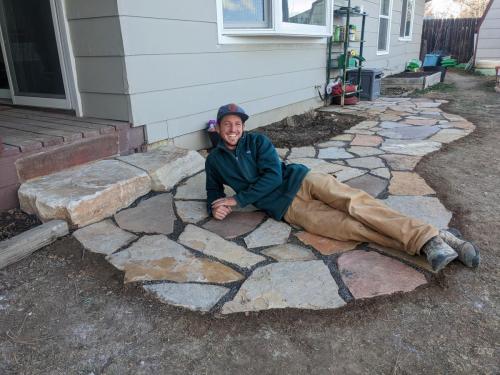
(166, 243)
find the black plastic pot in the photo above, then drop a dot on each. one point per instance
(438, 68)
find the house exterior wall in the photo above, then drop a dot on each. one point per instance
(488, 44)
(158, 63)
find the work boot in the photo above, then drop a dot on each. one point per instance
(438, 253)
(468, 253)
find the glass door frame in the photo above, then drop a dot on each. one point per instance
(66, 61)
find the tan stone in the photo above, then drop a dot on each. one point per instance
(463, 125)
(85, 194)
(420, 122)
(366, 140)
(401, 162)
(159, 258)
(409, 183)
(167, 165)
(343, 137)
(324, 245)
(448, 135)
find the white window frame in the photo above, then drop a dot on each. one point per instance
(278, 32)
(403, 21)
(389, 18)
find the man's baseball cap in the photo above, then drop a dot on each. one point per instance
(231, 109)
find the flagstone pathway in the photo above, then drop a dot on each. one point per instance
(166, 242)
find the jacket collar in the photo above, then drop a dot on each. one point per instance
(241, 141)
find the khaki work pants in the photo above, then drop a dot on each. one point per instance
(329, 208)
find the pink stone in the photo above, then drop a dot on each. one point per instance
(369, 274)
(324, 245)
(235, 224)
(366, 140)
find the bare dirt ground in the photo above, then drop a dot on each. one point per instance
(63, 311)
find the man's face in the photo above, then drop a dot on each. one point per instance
(230, 130)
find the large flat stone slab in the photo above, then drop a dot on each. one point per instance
(103, 237)
(235, 224)
(272, 232)
(317, 165)
(289, 253)
(334, 153)
(371, 184)
(300, 285)
(191, 211)
(413, 147)
(427, 209)
(370, 162)
(345, 173)
(211, 244)
(369, 274)
(193, 188)
(325, 245)
(159, 258)
(410, 132)
(153, 215)
(167, 165)
(364, 151)
(366, 140)
(85, 194)
(409, 183)
(195, 297)
(401, 162)
(302, 152)
(448, 135)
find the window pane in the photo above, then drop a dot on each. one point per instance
(382, 34)
(409, 17)
(384, 7)
(306, 12)
(246, 13)
(404, 9)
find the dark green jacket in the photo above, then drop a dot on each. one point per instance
(256, 173)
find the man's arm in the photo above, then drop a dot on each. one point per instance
(269, 169)
(214, 186)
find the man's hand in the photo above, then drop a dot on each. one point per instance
(222, 207)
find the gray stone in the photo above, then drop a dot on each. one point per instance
(103, 237)
(411, 132)
(368, 162)
(367, 124)
(448, 135)
(359, 131)
(159, 258)
(191, 296)
(167, 165)
(334, 153)
(301, 285)
(153, 215)
(191, 211)
(302, 152)
(364, 151)
(371, 184)
(393, 125)
(428, 209)
(86, 194)
(346, 173)
(331, 144)
(193, 188)
(289, 253)
(414, 147)
(211, 244)
(401, 162)
(235, 224)
(317, 165)
(381, 172)
(272, 232)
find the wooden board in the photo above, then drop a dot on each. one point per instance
(33, 127)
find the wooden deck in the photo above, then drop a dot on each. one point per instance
(34, 143)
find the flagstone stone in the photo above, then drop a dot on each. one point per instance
(318, 165)
(393, 125)
(427, 209)
(410, 147)
(346, 173)
(428, 105)
(272, 232)
(301, 285)
(448, 135)
(413, 132)
(235, 224)
(191, 211)
(157, 257)
(302, 152)
(331, 144)
(167, 165)
(212, 244)
(420, 122)
(463, 125)
(325, 245)
(419, 261)
(401, 162)
(86, 194)
(370, 162)
(195, 297)
(453, 117)
(364, 151)
(103, 237)
(367, 124)
(370, 184)
(334, 153)
(359, 131)
(193, 188)
(369, 274)
(153, 215)
(343, 137)
(409, 183)
(289, 253)
(384, 117)
(381, 172)
(366, 140)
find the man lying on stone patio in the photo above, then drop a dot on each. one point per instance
(317, 202)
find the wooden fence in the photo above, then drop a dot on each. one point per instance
(449, 36)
